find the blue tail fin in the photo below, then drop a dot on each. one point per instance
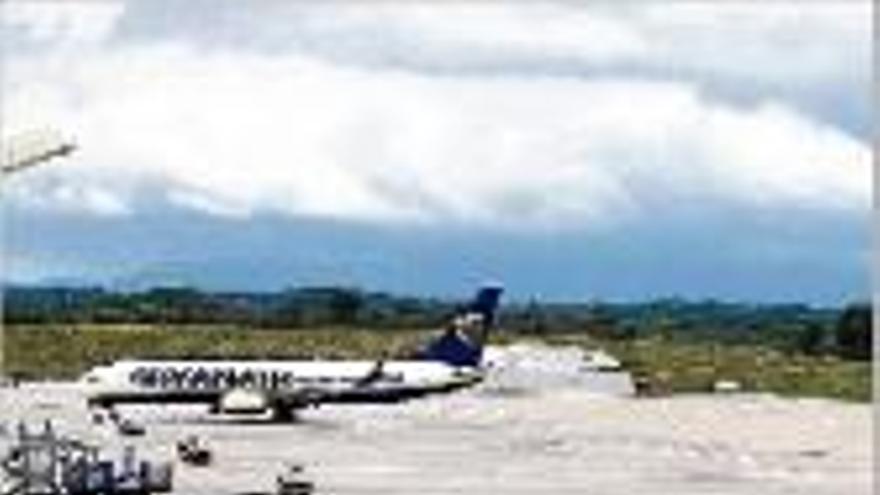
(462, 342)
(484, 304)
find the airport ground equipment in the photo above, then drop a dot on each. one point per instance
(130, 428)
(727, 387)
(124, 426)
(293, 482)
(191, 451)
(43, 463)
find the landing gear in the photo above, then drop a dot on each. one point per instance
(283, 414)
(102, 413)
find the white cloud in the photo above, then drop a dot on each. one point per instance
(238, 133)
(69, 195)
(793, 43)
(781, 43)
(70, 23)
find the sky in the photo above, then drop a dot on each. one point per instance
(570, 151)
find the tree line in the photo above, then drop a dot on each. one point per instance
(845, 332)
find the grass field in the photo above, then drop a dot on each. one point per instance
(676, 367)
(38, 352)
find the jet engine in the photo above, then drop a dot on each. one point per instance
(241, 401)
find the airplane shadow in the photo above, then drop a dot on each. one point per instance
(312, 423)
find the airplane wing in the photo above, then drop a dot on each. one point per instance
(373, 388)
(31, 148)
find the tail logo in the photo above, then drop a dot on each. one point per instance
(462, 342)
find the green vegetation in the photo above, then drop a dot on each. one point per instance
(667, 367)
(853, 332)
(671, 345)
(65, 351)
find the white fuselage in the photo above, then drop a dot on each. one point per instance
(318, 381)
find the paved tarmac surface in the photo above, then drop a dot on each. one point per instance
(545, 437)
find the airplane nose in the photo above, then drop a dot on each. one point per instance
(93, 377)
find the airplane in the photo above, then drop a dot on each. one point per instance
(448, 362)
